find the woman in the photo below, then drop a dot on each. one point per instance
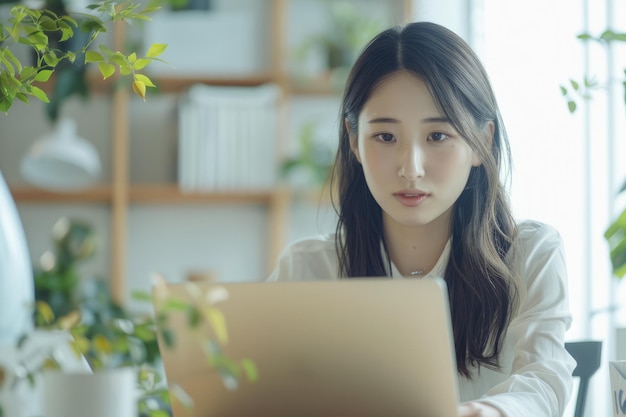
(422, 147)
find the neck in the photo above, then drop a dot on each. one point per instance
(415, 250)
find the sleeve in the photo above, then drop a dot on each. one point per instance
(540, 381)
(307, 259)
(284, 267)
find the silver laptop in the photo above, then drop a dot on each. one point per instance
(358, 347)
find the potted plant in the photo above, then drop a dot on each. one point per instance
(119, 362)
(312, 164)
(119, 349)
(351, 29)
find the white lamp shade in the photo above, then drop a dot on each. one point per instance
(61, 161)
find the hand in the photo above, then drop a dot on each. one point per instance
(476, 409)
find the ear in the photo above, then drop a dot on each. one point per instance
(354, 144)
(489, 131)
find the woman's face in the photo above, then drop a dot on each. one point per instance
(415, 163)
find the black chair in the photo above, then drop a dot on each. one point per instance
(587, 355)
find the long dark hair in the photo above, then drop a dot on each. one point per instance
(478, 277)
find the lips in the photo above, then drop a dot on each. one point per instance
(411, 198)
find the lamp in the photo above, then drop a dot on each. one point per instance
(61, 161)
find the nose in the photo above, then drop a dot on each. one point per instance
(412, 163)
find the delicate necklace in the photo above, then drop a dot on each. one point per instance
(418, 272)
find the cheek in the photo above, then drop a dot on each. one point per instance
(374, 161)
(457, 162)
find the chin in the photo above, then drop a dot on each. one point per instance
(410, 221)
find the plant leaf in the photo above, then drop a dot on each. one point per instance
(125, 69)
(44, 311)
(43, 75)
(250, 369)
(147, 81)
(155, 50)
(106, 69)
(140, 89)
(92, 24)
(571, 105)
(141, 296)
(93, 56)
(609, 36)
(141, 63)
(22, 97)
(218, 323)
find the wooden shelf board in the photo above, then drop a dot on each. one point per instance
(167, 83)
(164, 194)
(171, 194)
(95, 194)
(320, 85)
(174, 84)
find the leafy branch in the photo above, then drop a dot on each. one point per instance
(615, 234)
(34, 28)
(583, 90)
(575, 91)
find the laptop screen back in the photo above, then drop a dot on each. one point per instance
(358, 347)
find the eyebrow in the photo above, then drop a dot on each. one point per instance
(427, 120)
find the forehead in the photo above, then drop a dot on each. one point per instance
(401, 93)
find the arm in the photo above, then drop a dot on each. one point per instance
(476, 409)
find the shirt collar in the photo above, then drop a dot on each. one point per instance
(438, 270)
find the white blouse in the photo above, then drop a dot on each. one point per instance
(535, 377)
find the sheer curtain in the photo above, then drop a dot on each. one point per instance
(566, 166)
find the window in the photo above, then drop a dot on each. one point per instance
(566, 167)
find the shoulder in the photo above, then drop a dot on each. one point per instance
(312, 245)
(533, 229)
(307, 259)
(533, 234)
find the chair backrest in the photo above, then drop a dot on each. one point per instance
(588, 356)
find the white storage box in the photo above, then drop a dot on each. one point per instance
(197, 46)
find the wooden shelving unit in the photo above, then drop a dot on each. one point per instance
(172, 194)
(120, 194)
(96, 194)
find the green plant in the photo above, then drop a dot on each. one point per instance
(109, 338)
(313, 157)
(56, 276)
(615, 234)
(34, 29)
(351, 30)
(115, 343)
(200, 313)
(102, 331)
(120, 342)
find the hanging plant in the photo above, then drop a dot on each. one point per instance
(44, 30)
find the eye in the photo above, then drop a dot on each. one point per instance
(385, 137)
(438, 136)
